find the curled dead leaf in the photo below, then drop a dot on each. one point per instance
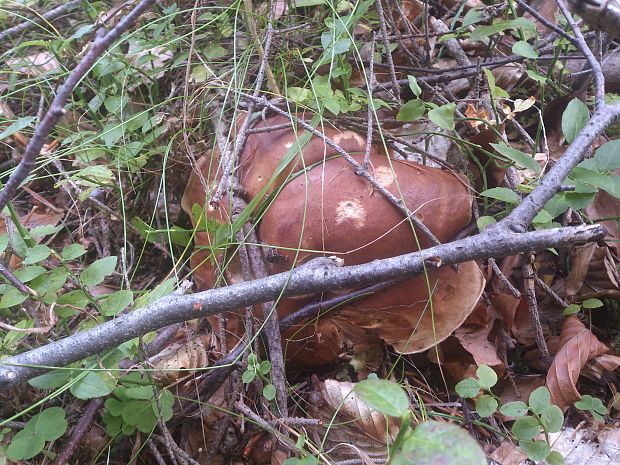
(577, 346)
(348, 420)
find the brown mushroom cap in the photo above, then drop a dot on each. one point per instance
(264, 152)
(402, 316)
(330, 210)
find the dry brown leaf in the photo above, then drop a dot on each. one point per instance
(355, 423)
(605, 205)
(508, 454)
(577, 346)
(580, 261)
(526, 384)
(180, 357)
(36, 64)
(474, 336)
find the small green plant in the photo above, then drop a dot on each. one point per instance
(46, 426)
(538, 414)
(261, 370)
(588, 304)
(134, 406)
(594, 405)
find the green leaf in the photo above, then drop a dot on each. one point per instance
(51, 380)
(72, 251)
(166, 401)
(514, 409)
(17, 126)
(264, 367)
(486, 405)
(539, 400)
(98, 270)
(592, 303)
(140, 413)
(535, 450)
(523, 160)
(48, 425)
(542, 217)
(113, 424)
(572, 309)
(140, 392)
(487, 378)
(594, 178)
(606, 158)
(11, 298)
(116, 302)
(524, 49)
(552, 419)
(555, 458)
(269, 392)
(500, 26)
(248, 376)
(306, 3)
(154, 295)
(574, 119)
(114, 406)
(24, 445)
(472, 17)
(116, 103)
(50, 282)
(384, 396)
(443, 116)
(468, 388)
(36, 254)
(540, 79)
(434, 442)
(411, 111)
(413, 85)
(28, 273)
(94, 384)
(485, 221)
(525, 428)
(502, 193)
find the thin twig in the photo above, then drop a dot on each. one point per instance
(249, 11)
(599, 78)
(543, 285)
(33, 23)
(258, 421)
(371, 106)
(505, 281)
(532, 304)
(229, 157)
(548, 24)
(386, 47)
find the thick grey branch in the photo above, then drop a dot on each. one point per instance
(304, 280)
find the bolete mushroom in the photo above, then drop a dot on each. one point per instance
(319, 206)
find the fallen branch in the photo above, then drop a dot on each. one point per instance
(317, 276)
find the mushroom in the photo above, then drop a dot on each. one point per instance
(315, 205)
(329, 210)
